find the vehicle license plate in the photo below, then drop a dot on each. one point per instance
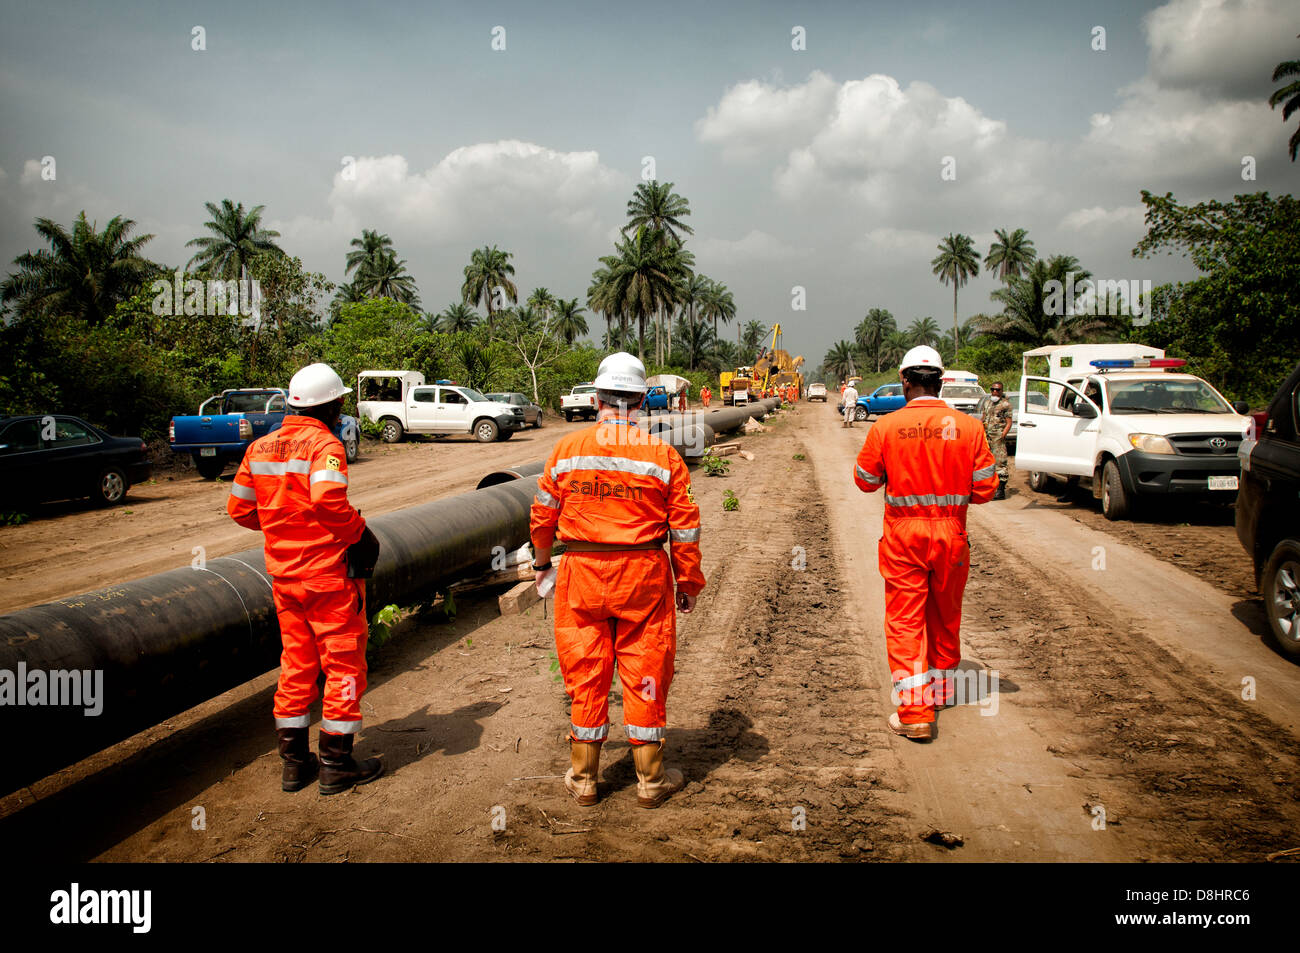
(212, 452)
(1223, 483)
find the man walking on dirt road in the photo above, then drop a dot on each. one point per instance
(616, 494)
(293, 486)
(932, 461)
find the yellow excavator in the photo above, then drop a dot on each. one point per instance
(776, 368)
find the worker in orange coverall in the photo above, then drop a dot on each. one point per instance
(293, 486)
(932, 461)
(706, 395)
(615, 494)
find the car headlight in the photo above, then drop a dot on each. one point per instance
(1151, 443)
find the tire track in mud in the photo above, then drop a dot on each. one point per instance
(1186, 770)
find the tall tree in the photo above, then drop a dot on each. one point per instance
(925, 331)
(870, 333)
(1028, 316)
(237, 238)
(839, 360)
(718, 305)
(543, 301)
(657, 207)
(383, 276)
(1290, 95)
(489, 268)
(569, 322)
(369, 245)
(85, 273)
(955, 263)
(457, 317)
(643, 274)
(1010, 254)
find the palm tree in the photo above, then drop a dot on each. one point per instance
(238, 238)
(718, 304)
(383, 276)
(569, 322)
(955, 263)
(871, 330)
(543, 301)
(643, 274)
(656, 206)
(489, 268)
(1290, 94)
(1010, 254)
(924, 331)
(753, 336)
(1025, 318)
(599, 300)
(85, 274)
(457, 317)
(696, 340)
(839, 360)
(368, 245)
(894, 346)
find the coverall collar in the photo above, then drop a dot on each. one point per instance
(610, 415)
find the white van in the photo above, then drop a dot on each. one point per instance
(1126, 420)
(403, 403)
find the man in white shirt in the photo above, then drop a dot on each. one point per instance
(850, 403)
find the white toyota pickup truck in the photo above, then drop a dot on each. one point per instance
(403, 403)
(1126, 420)
(581, 402)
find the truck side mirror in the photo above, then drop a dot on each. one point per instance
(1084, 409)
(1241, 407)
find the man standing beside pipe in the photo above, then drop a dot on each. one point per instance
(293, 486)
(615, 494)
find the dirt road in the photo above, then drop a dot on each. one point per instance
(1118, 689)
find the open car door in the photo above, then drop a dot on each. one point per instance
(1059, 436)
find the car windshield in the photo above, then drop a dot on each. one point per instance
(471, 394)
(584, 389)
(961, 390)
(1164, 397)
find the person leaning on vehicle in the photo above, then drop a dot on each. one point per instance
(293, 486)
(997, 424)
(615, 494)
(932, 461)
(850, 404)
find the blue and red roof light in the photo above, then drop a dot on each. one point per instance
(1132, 362)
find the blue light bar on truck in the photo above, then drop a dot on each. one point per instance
(1129, 362)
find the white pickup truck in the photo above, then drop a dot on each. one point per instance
(581, 402)
(401, 402)
(1126, 420)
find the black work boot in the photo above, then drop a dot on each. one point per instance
(1001, 493)
(338, 771)
(300, 767)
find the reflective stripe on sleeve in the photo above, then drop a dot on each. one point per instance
(638, 733)
(243, 492)
(869, 477)
(329, 476)
(621, 464)
(984, 472)
(297, 721)
(547, 500)
(340, 727)
(927, 499)
(590, 734)
(684, 535)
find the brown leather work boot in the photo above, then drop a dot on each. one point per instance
(580, 779)
(917, 731)
(338, 771)
(654, 782)
(300, 767)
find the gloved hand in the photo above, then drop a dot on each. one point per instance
(362, 555)
(545, 580)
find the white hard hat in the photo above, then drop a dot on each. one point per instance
(621, 372)
(922, 356)
(314, 385)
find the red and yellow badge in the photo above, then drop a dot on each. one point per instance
(333, 463)
(690, 494)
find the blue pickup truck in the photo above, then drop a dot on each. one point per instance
(656, 398)
(883, 400)
(227, 423)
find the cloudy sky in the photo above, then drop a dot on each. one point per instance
(818, 167)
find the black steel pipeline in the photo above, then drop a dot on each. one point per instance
(506, 474)
(162, 644)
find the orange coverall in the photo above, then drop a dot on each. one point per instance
(293, 486)
(613, 483)
(705, 394)
(932, 461)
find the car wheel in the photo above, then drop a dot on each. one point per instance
(537, 424)
(351, 450)
(1116, 502)
(111, 487)
(506, 434)
(209, 467)
(859, 413)
(393, 431)
(1040, 482)
(486, 431)
(568, 417)
(1280, 584)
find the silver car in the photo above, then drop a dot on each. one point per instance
(532, 413)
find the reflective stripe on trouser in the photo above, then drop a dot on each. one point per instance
(924, 564)
(616, 606)
(322, 627)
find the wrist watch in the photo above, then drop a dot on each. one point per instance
(537, 568)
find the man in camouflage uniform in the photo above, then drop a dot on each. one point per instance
(997, 424)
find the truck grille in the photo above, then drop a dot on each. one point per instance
(1213, 443)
